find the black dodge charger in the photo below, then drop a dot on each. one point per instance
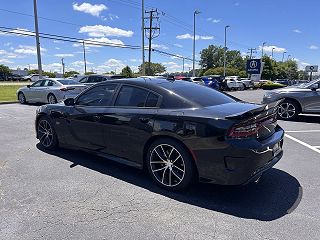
(179, 131)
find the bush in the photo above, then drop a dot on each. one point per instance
(270, 85)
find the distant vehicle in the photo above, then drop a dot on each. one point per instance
(304, 98)
(49, 91)
(235, 83)
(198, 80)
(247, 82)
(211, 82)
(95, 78)
(33, 77)
(15, 77)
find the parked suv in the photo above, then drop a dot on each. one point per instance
(95, 78)
(304, 98)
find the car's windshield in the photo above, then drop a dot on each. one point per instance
(308, 84)
(68, 82)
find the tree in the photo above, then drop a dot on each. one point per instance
(155, 68)
(219, 71)
(70, 74)
(4, 69)
(89, 73)
(127, 72)
(211, 57)
(268, 72)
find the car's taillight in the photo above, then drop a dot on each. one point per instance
(250, 128)
(64, 89)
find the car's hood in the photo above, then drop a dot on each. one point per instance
(290, 89)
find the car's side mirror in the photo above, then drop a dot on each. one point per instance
(69, 102)
(314, 89)
(28, 86)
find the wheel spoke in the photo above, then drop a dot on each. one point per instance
(170, 175)
(176, 175)
(178, 168)
(157, 162)
(159, 155)
(176, 159)
(164, 153)
(170, 153)
(159, 169)
(163, 174)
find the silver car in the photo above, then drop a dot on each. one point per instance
(303, 98)
(50, 90)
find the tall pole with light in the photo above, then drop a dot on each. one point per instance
(225, 50)
(272, 52)
(283, 55)
(194, 42)
(263, 44)
(37, 38)
(143, 69)
(288, 57)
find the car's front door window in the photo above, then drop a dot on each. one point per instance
(97, 96)
(37, 84)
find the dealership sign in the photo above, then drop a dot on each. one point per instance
(312, 68)
(254, 66)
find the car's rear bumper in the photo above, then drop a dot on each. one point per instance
(239, 162)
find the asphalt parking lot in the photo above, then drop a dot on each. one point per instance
(73, 195)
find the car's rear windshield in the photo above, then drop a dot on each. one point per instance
(68, 82)
(200, 95)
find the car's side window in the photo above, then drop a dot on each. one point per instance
(91, 79)
(98, 96)
(130, 96)
(45, 83)
(37, 84)
(51, 83)
(83, 80)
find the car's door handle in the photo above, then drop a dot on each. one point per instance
(144, 119)
(96, 118)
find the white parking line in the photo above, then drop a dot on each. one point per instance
(303, 131)
(303, 143)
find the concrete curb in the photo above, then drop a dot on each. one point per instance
(1, 103)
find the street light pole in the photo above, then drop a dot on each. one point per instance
(225, 50)
(288, 57)
(283, 55)
(272, 53)
(84, 57)
(183, 65)
(37, 38)
(263, 44)
(194, 42)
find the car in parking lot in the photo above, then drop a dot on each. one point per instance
(33, 77)
(50, 90)
(211, 82)
(304, 98)
(248, 83)
(169, 128)
(95, 78)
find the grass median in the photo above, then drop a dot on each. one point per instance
(8, 93)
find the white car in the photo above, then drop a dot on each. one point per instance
(33, 77)
(247, 82)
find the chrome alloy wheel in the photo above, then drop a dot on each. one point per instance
(286, 110)
(22, 98)
(167, 165)
(45, 133)
(52, 99)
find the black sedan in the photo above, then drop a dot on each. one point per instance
(179, 131)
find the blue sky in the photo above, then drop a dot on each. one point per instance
(285, 25)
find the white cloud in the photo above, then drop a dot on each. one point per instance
(159, 46)
(189, 36)
(28, 50)
(296, 31)
(93, 41)
(7, 44)
(275, 49)
(57, 48)
(216, 20)
(64, 55)
(305, 63)
(104, 31)
(5, 61)
(133, 60)
(209, 19)
(94, 10)
(178, 45)
(313, 47)
(80, 64)
(110, 65)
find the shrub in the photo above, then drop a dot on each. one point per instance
(270, 85)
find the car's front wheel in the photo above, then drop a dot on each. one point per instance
(46, 133)
(22, 98)
(288, 110)
(170, 165)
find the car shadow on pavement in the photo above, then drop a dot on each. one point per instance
(307, 119)
(277, 194)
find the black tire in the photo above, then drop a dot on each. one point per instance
(22, 98)
(166, 168)
(46, 133)
(288, 110)
(52, 98)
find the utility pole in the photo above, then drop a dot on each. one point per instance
(143, 67)
(37, 37)
(182, 65)
(225, 50)
(283, 55)
(84, 58)
(62, 66)
(263, 44)
(272, 52)
(153, 31)
(288, 57)
(194, 42)
(252, 50)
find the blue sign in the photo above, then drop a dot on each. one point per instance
(254, 66)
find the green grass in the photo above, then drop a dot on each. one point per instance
(8, 92)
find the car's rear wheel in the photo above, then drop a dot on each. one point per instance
(170, 165)
(22, 98)
(52, 99)
(46, 133)
(288, 110)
